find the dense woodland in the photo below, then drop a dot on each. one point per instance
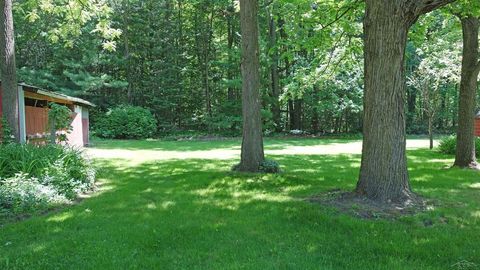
(181, 60)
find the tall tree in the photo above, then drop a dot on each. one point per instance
(465, 154)
(252, 145)
(383, 174)
(8, 68)
(274, 72)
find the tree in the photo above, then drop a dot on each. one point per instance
(383, 174)
(465, 153)
(436, 70)
(252, 155)
(8, 68)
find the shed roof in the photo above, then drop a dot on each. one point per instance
(40, 91)
(478, 115)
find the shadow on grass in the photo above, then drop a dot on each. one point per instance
(229, 143)
(196, 214)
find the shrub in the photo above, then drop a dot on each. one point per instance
(268, 166)
(126, 122)
(21, 194)
(449, 146)
(37, 177)
(6, 132)
(59, 118)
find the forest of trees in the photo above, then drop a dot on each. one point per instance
(181, 60)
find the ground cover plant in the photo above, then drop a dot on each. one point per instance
(35, 178)
(193, 213)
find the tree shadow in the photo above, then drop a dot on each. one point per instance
(196, 214)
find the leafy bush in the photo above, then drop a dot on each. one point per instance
(6, 132)
(59, 118)
(126, 122)
(270, 166)
(36, 177)
(21, 194)
(449, 146)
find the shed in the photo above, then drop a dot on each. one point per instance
(33, 115)
(477, 125)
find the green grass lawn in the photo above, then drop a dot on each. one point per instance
(195, 214)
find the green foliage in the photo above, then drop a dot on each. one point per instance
(22, 194)
(126, 122)
(270, 166)
(181, 60)
(59, 119)
(36, 177)
(448, 145)
(6, 134)
(267, 166)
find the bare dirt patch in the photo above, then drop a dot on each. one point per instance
(358, 206)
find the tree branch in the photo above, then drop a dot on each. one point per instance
(340, 15)
(426, 6)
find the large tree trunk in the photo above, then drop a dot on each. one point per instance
(252, 145)
(8, 68)
(465, 155)
(383, 173)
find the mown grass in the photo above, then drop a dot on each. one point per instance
(195, 214)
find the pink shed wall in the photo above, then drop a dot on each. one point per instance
(75, 138)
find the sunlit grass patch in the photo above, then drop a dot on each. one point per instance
(196, 214)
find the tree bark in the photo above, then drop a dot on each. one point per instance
(252, 155)
(8, 68)
(383, 174)
(465, 154)
(230, 43)
(274, 73)
(126, 41)
(430, 130)
(298, 112)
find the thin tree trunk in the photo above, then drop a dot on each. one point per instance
(8, 68)
(252, 155)
(316, 115)
(383, 174)
(465, 154)
(298, 112)
(274, 73)
(230, 42)
(125, 34)
(430, 130)
(291, 114)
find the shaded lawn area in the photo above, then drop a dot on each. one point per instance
(226, 143)
(195, 214)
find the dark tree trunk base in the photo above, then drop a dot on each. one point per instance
(471, 166)
(403, 196)
(360, 206)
